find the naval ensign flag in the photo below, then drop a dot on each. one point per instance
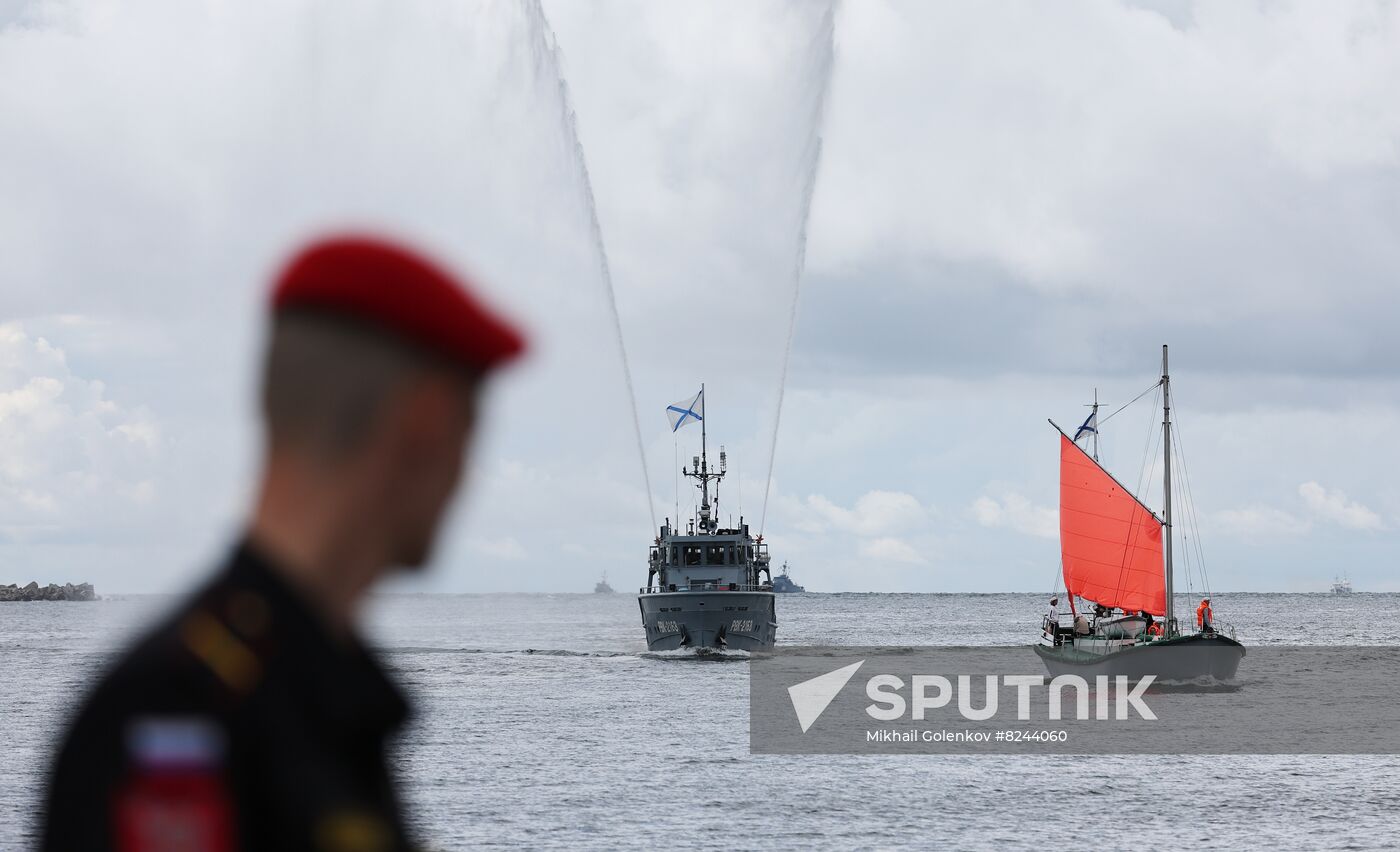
(687, 411)
(1090, 427)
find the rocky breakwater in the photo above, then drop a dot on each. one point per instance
(51, 592)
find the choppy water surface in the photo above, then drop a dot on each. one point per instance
(542, 721)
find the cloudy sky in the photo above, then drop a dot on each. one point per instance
(1010, 206)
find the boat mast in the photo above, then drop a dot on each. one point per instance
(708, 519)
(704, 463)
(1096, 424)
(1167, 482)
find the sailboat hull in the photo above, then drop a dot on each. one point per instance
(1185, 658)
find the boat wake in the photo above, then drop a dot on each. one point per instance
(679, 655)
(688, 655)
(530, 652)
(1203, 684)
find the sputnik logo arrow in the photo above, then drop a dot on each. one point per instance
(810, 698)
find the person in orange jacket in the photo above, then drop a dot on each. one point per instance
(1203, 615)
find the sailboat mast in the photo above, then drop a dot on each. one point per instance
(1096, 424)
(1167, 482)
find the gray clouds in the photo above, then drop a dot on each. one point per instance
(1016, 204)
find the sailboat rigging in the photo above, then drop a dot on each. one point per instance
(1116, 553)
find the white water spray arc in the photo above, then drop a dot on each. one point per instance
(823, 51)
(546, 49)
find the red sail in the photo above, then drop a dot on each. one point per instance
(1110, 544)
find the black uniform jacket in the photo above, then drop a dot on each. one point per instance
(240, 723)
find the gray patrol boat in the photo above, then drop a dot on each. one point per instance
(783, 584)
(708, 587)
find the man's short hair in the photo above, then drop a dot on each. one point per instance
(327, 379)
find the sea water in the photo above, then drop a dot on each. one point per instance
(541, 720)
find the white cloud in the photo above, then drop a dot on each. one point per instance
(1319, 504)
(983, 248)
(1332, 505)
(1260, 521)
(882, 526)
(505, 547)
(72, 457)
(874, 513)
(1013, 511)
(1003, 161)
(889, 549)
(142, 432)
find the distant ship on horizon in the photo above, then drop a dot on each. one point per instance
(602, 587)
(784, 583)
(1341, 586)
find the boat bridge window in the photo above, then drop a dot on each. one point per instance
(675, 554)
(714, 554)
(692, 554)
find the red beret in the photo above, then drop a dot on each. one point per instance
(399, 291)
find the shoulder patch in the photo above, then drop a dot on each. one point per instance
(353, 830)
(217, 647)
(174, 796)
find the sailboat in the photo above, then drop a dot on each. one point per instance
(1116, 554)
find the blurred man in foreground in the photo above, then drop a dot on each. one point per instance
(254, 718)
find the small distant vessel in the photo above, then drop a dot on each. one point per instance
(1341, 586)
(783, 584)
(1116, 553)
(602, 587)
(705, 587)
